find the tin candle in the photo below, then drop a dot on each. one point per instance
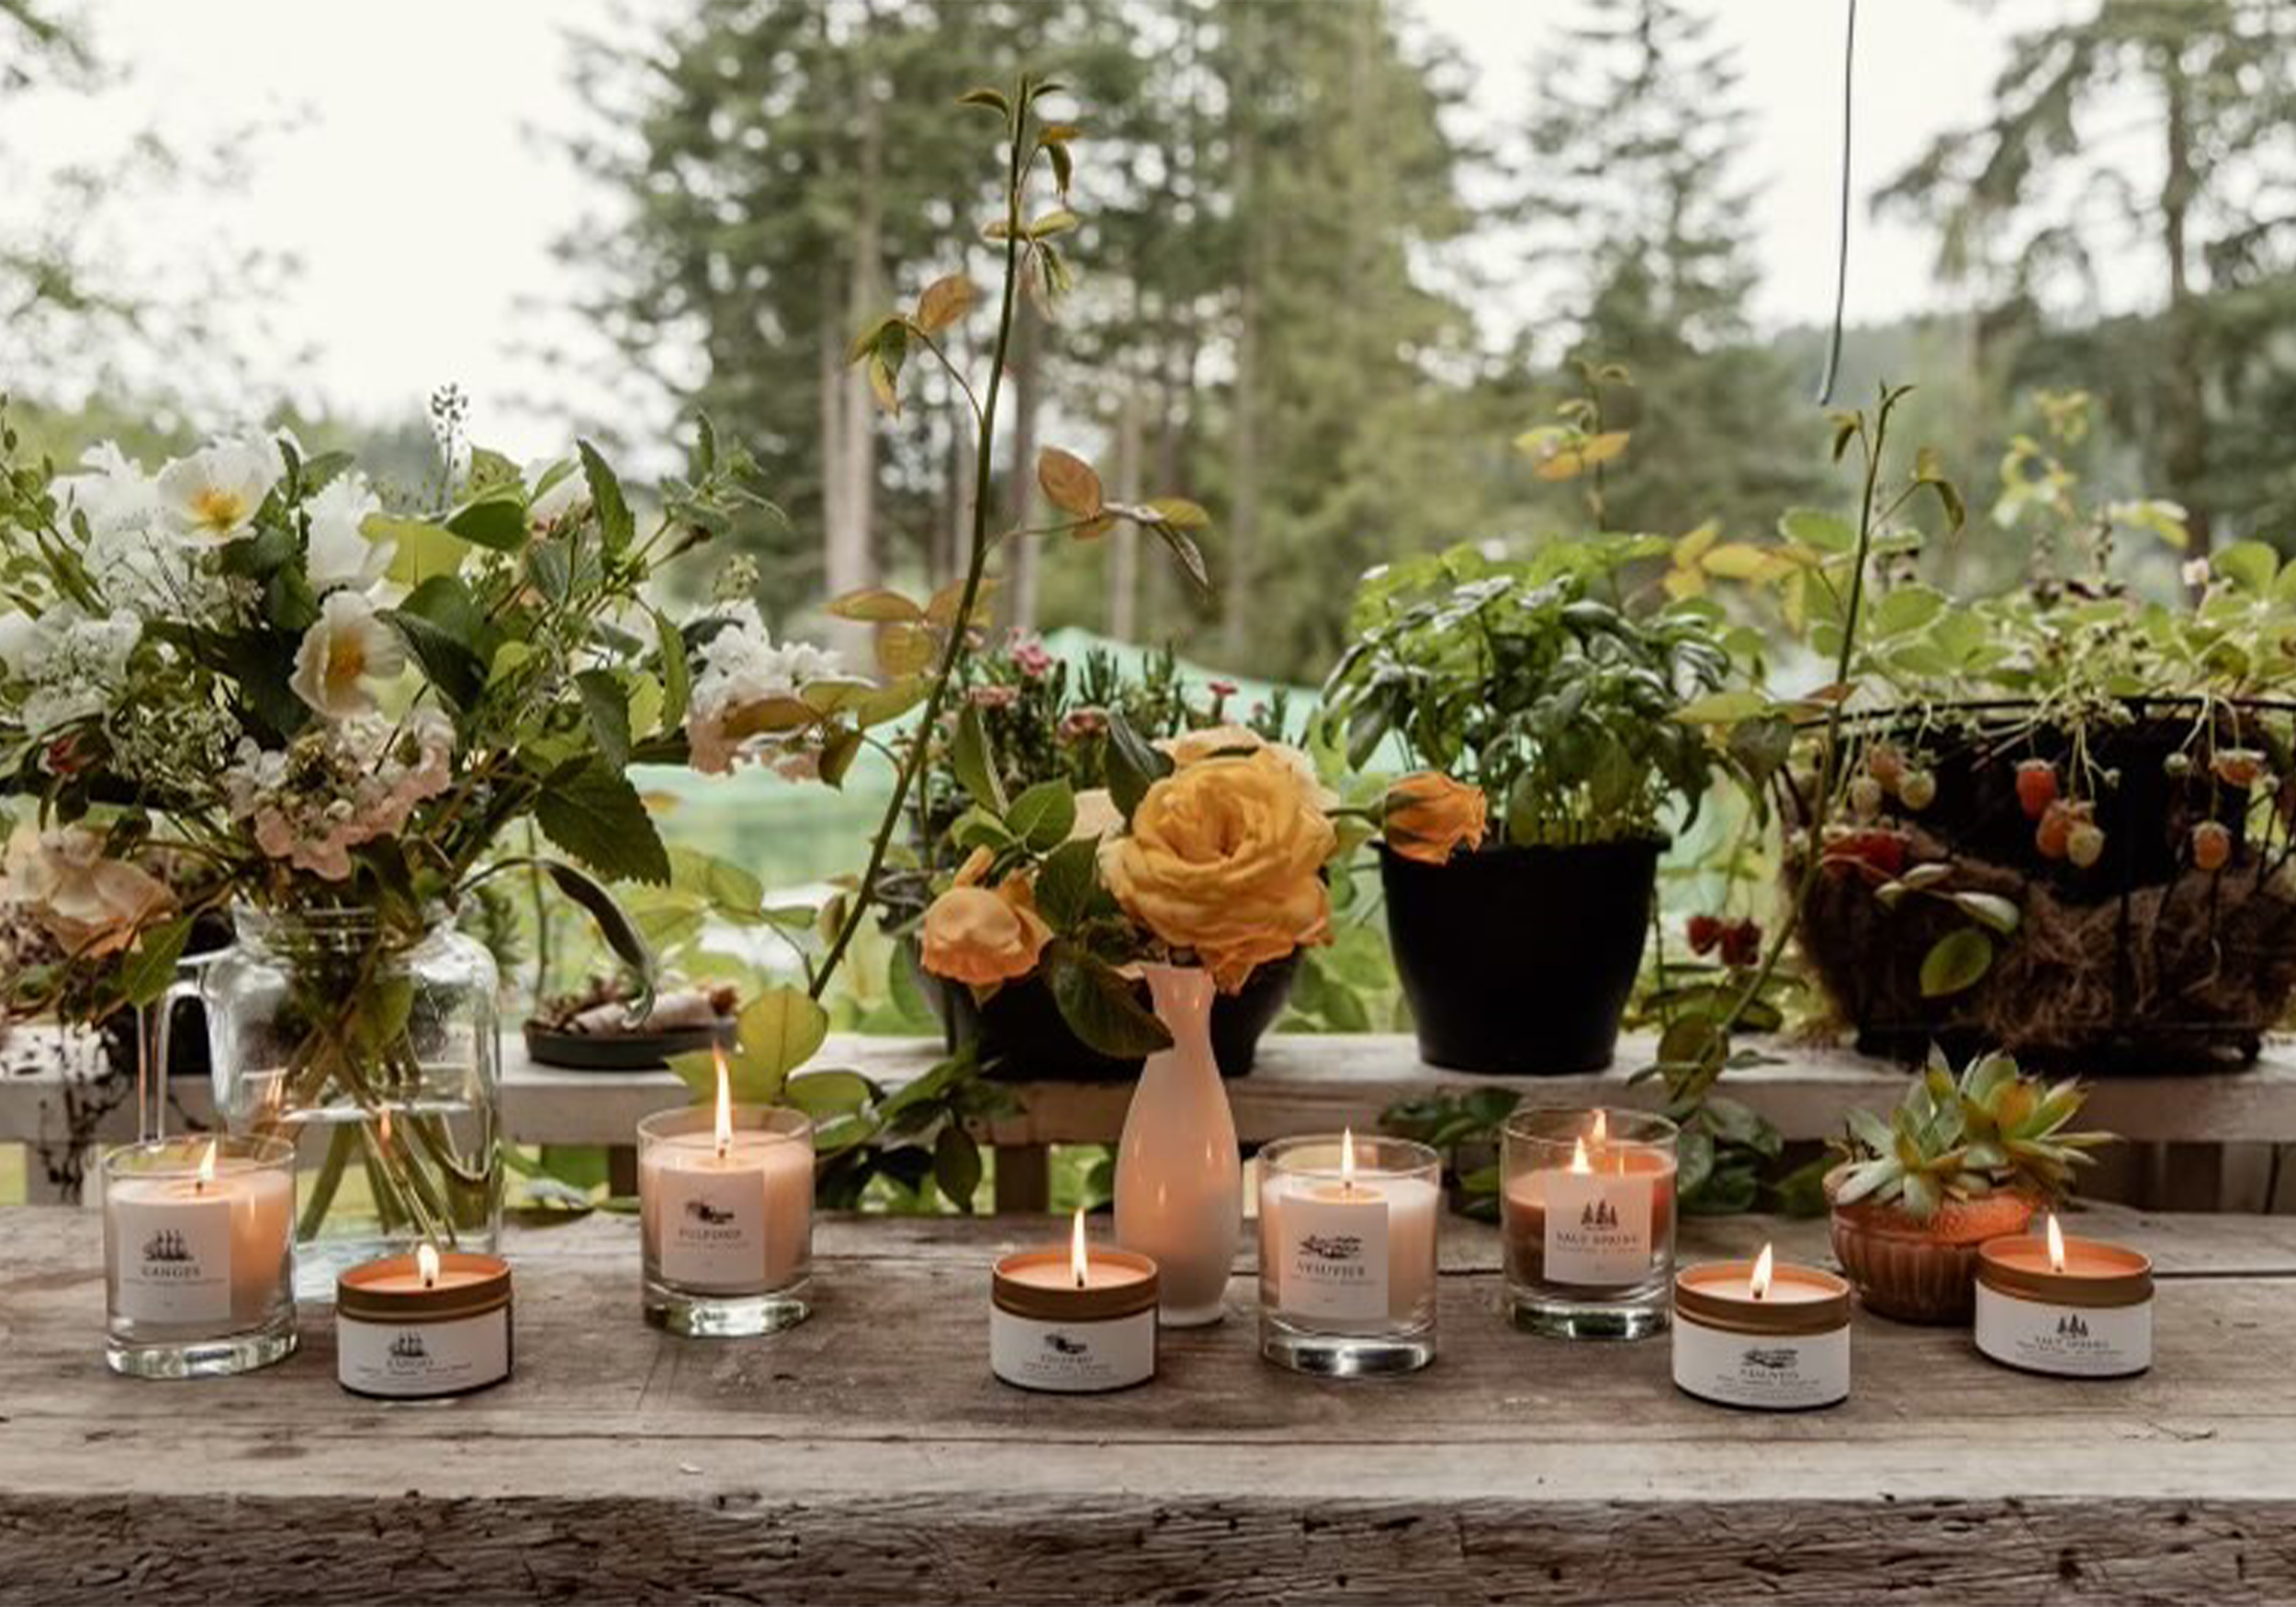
(2075, 1308)
(1070, 1319)
(417, 1327)
(1762, 1333)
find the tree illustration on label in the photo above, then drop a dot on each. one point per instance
(1598, 1229)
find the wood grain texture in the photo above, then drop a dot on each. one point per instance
(869, 1455)
(1302, 1084)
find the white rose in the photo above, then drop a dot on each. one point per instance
(343, 654)
(213, 494)
(340, 554)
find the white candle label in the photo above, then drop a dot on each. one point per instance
(1072, 1357)
(1781, 1373)
(1598, 1228)
(1333, 1257)
(713, 1228)
(423, 1358)
(2078, 1342)
(174, 1259)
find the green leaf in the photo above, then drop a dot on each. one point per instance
(1133, 764)
(1989, 909)
(677, 673)
(1101, 1008)
(615, 522)
(1909, 608)
(827, 1094)
(150, 968)
(595, 814)
(1066, 885)
(494, 521)
(443, 628)
(779, 1030)
(607, 706)
(1042, 817)
(2249, 564)
(957, 1166)
(1956, 962)
(1816, 528)
(1722, 708)
(969, 757)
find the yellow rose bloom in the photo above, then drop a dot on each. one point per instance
(1429, 815)
(1225, 857)
(983, 935)
(1193, 746)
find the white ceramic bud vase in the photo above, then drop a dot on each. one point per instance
(1180, 1176)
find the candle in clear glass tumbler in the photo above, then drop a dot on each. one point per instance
(199, 1255)
(1587, 1217)
(1347, 1254)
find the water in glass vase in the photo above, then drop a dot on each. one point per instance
(375, 1052)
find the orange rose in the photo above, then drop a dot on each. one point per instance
(1429, 815)
(983, 935)
(1225, 857)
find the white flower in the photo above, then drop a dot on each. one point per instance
(347, 648)
(112, 491)
(741, 672)
(565, 498)
(2195, 572)
(213, 494)
(340, 554)
(90, 905)
(71, 664)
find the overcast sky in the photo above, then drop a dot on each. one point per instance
(422, 205)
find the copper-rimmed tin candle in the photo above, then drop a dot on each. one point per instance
(1071, 1320)
(1764, 1335)
(2076, 1308)
(415, 1327)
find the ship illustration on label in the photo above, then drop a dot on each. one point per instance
(166, 1245)
(1770, 1361)
(1332, 1246)
(409, 1347)
(708, 1214)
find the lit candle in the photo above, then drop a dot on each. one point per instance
(726, 1215)
(2075, 1308)
(1764, 1333)
(1587, 1220)
(1066, 1320)
(424, 1325)
(1347, 1254)
(198, 1246)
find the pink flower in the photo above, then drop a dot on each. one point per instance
(995, 697)
(1079, 724)
(1033, 659)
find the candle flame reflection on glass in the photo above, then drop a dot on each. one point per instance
(1078, 1263)
(1758, 1286)
(2056, 1244)
(206, 1170)
(1600, 1132)
(382, 1132)
(724, 1108)
(426, 1263)
(1579, 1162)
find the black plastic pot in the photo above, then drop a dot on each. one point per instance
(1023, 1038)
(1519, 961)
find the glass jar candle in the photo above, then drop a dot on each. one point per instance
(1587, 1214)
(199, 1255)
(726, 1214)
(1347, 1254)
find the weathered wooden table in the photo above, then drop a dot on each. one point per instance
(869, 1455)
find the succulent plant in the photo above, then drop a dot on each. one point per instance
(1993, 1129)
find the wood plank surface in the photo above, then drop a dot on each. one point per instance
(1303, 1084)
(869, 1455)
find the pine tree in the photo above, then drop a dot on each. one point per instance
(1636, 222)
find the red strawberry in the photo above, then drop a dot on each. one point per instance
(2036, 788)
(1885, 765)
(2211, 845)
(1741, 943)
(1706, 931)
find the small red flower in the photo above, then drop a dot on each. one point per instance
(1704, 932)
(1741, 943)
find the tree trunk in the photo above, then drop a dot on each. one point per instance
(1020, 498)
(849, 476)
(2188, 432)
(1243, 522)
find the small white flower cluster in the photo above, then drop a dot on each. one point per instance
(71, 664)
(338, 785)
(740, 672)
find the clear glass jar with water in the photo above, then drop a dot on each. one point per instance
(375, 1050)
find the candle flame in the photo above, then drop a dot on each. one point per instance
(1579, 1162)
(426, 1263)
(724, 1108)
(1348, 1158)
(1600, 1131)
(2056, 1244)
(1759, 1285)
(206, 1169)
(1078, 1263)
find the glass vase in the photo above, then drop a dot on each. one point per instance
(374, 1050)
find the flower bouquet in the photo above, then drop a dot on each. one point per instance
(322, 713)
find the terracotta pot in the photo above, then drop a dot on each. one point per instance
(1920, 1272)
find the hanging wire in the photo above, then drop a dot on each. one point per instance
(1841, 246)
